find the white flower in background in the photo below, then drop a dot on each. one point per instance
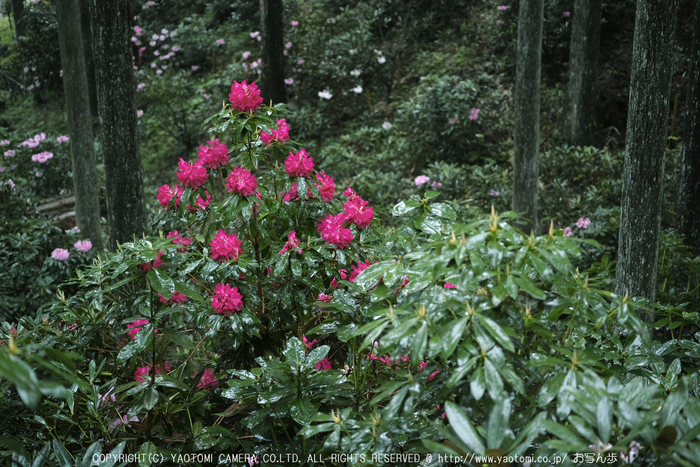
(357, 89)
(355, 72)
(325, 95)
(387, 125)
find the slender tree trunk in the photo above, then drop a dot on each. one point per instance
(85, 182)
(18, 15)
(527, 111)
(582, 90)
(272, 33)
(647, 127)
(689, 191)
(86, 28)
(111, 29)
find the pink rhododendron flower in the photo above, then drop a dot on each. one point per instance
(299, 164)
(324, 298)
(107, 397)
(327, 186)
(166, 194)
(145, 267)
(214, 156)
(474, 114)
(245, 97)
(146, 371)
(178, 239)
(385, 359)
(295, 23)
(332, 230)
(307, 343)
(450, 286)
(289, 81)
(583, 223)
(83, 245)
(225, 247)
(433, 374)
(422, 366)
(220, 41)
(60, 254)
(201, 203)
(42, 157)
(567, 232)
(404, 283)
(421, 179)
(357, 211)
(357, 270)
(176, 298)
(191, 175)
(63, 139)
(5, 142)
(494, 193)
(292, 194)
(567, 14)
(241, 181)
(292, 242)
(280, 135)
(208, 380)
(135, 327)
(10, 153)
(323, 364)
(503, 7)
(226, 300)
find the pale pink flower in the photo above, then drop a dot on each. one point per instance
(295, 23)
(220, 41)
(583, 223)
(494, 193)
(83, 245)
(474, 114)
(63, 139)
(421, 179)
(503, 7)
(567, 232)
(60, 254)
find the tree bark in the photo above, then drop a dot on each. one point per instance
(582, 90)
(689, 190)
(86, 29)
(18, 15)
(527, 112)
(85, 182)
(647, 127)
(114, 76)
(272, 33)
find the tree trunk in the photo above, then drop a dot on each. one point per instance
(582, 90)
(18, 15)
(272, 33)
(86, 28)
(114, 76)
(527, 112)
(85, 182)
(647, 127)
(689, 190)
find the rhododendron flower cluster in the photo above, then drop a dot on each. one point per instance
(245, 97)
(332, 230)
(280, 135)
(357, 270)
(327, 186)
(226, 300)
(166, 193)
(241, 181)
(214, 156)
(357, 211)
(299, 164)
(83, 245)
(42, 157)
(208, 381)
(583, 223)
(60, 254)
(135, 327)
(178, 239)
(225, 247)
(176, 298)
(323, 364)
(191, 175)
(146, 371)
(307, 343)
(292, 242)
(145, 267)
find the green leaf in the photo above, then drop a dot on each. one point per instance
(95, 449)
(463, 428)
(147, 452)
(494, 383)
(527, 285)
(24, 378)
(42, 456)
(370, 276)
(498, 421)
(453, 337)
(150, 398)
(295, 353)
(563, 433)
(420, 342)
(64, 459)
(375, 328)
(550, 390)
(477, 383)
(186, 289)
(401, 209)
(316, 355)
(604, 418)
(432, 194)
(443, 210)
(161, 283)
(302, 411)
(178, 338)
(496, 332)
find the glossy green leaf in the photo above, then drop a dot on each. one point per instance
(463, 428)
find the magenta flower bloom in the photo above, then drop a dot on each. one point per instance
(208, 380)
(332, 230)
(83, 245)
(241, 181)
(178, 239)
(324, 364)
(295, 23)
(299, 164)
(450, 286)
(226, 300)
(225, 247)
(474, 114)
(245, 97)
(166, 194)
(327, 186)
(357, 210)
(191, 175)
(220, 41)
(281, 134)
(214, 156)
(292, 194)
(503, 7)
(135, 327)
(307, 343)
(292, 242)
(60, 254)
(356, 270)
(176, 298)
(324, 298)
(421, 179)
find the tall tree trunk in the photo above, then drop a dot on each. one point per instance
(85, 182)
(582, 90)
(18, 15)
(114, 75)
(527, 111)
(272, 33)
(647, 127)
(689, 190)
(86, 28)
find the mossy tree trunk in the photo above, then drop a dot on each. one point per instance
(582, 90)
(527, 112)
(272, 33)
(111, 27)
(18, 16)
(689, 190)
(86, 28)
(645, 147)
(85, 182)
